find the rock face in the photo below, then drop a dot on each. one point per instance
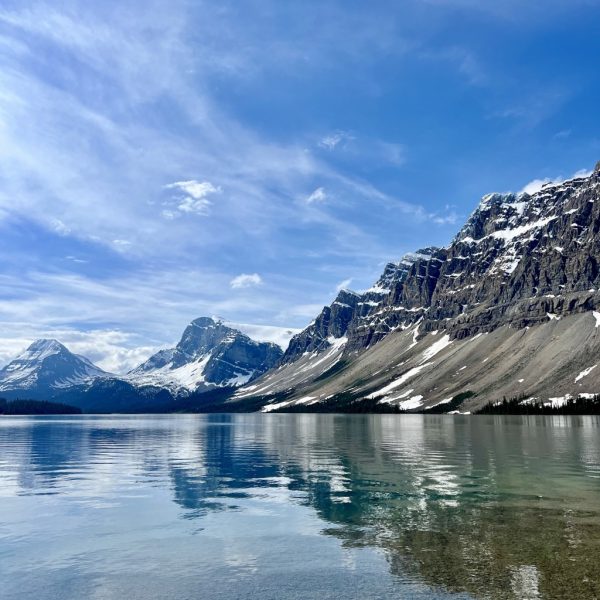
(44, 369)
(209, 354)
(357, 316)
(331, 324)
(520, 261)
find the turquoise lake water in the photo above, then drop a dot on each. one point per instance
(299, 506)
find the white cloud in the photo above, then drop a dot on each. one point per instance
(113, 351)
(132, 75)
(120, 321)
(105, 96)
(300, 311)
(267, 333)
(365, 148)
(343, 285)
(448, 219)
(536, 185)
(76, 259)
(246, 280)
(60, 228)
(121, 244)
(319, 195)
(583, 173)
(194, 200)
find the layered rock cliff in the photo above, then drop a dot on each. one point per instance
(520, 261)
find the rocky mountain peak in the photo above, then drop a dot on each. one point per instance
(208, 354)
(200, 336)
(494, 212)
(347, 297)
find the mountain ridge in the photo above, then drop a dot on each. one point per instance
(520, 261)
(209, 355)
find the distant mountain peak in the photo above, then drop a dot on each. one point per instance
(208, 354)
(207, 321)
(46, 345)
(45, 367)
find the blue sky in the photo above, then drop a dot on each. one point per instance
(161, 161)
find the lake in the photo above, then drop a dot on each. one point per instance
(299, 506)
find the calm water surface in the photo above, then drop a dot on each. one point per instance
(299, 506)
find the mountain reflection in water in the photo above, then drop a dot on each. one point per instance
(300, 506)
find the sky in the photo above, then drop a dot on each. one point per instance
(165, 160)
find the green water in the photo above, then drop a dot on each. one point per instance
(299, 506)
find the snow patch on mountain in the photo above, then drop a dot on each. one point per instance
(585, 373)
(398, 382)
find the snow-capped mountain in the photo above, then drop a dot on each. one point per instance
(509, 308)
(44, 369)
(209, 354)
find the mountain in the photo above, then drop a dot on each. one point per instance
(45, 369)
(507, 309)
(209, 354)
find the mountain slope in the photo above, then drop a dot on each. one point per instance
(44, 369)
(523, 271)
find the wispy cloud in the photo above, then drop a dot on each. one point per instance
(536, 185)
(267, 333)
(535, 105)
(131, 316)
(343, 285)
(333, 140)
(364, 149)
(305, 312)
(450, 218)
(465, 62)
(563, 134)
(318, 195)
